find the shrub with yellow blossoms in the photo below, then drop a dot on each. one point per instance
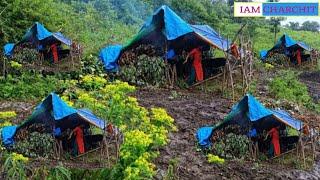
(144, 130)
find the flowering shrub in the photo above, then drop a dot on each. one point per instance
(144, 130)
(6, 115)
(215, 159)
(5, 118)
(91, 82)
(15, 65)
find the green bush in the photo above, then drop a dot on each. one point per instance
(144, 130)
(36, 145)
(287, 86)
(232, 146)
(29, 86)
(146, 71)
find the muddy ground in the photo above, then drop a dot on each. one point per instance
(312, 80)
(192, 110)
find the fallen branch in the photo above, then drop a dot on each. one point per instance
(201, 82)
(88, 152)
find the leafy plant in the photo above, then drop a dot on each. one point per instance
(145, 71)
(36, 145)
(232, 146)
(144, 130)
(14, 166)
(7, 115)
(287, 86)
(30, 86)
(215, 159)
(59, 173)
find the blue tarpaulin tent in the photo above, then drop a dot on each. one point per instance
(39, 36)
(56, 116)
(165, 29)
(288, 43)
(54, 112)
(249, 112)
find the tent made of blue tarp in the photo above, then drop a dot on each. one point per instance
(287, 42)
(165, 28)
(39, 36)
(7, 134)
(249, 112)
(212, 37)
(54, 112)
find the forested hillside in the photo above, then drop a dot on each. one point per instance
(96, 23)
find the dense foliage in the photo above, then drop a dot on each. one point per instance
(286, 86)
(30, 86)
(232, 146)
(144, 130)
(146, 71)
(36, 145)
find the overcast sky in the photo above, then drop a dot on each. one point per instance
(298, 19)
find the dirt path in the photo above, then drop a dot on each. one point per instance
(192, 110)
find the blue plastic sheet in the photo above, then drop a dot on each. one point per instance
(288, 120)
(8, 49)
(203, 136)
(174, 26)
(60, 109)
(7, 135)
(59, 36)
(109, 57)
(92, 119)
(212, 36)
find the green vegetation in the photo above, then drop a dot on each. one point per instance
(286, 86)
(215, 159)
(30, 86)
(144, 130)
(231, 146)
(36, 145)
(139, 73)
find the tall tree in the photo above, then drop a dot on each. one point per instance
(310, 26)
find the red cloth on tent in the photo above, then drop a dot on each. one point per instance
(274, 133)
(235, 51)
(197, 63)
(298, 56)
(78, 132)
(54, 51)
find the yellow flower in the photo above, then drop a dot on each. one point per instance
(215, 159)
(7, 114)
(19, 157)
